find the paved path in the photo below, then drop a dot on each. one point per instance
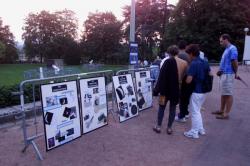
(133, 143)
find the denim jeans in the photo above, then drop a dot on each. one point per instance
(172, 109)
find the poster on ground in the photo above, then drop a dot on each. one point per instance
(125, 97)
(94, 103)
(143, 89)
(61, 114)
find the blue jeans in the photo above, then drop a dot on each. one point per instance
(172, 110)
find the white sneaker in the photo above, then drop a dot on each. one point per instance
(202, 132)
(186, 116)
(182, 120)
(191, 134)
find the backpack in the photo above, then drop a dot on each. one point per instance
(207, 84)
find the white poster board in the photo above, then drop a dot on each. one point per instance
(94, 103)
(125, 97)
(61, 113)
(143, 89)
(246, 56)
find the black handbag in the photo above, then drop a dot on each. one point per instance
(207, 84)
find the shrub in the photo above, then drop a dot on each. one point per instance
(7, 99)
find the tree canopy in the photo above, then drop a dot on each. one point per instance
(8, 51)
(202, 22)
(102, 37)
(151, 17)
(105, 39)
(42, 31)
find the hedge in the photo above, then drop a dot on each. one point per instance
(7, 99)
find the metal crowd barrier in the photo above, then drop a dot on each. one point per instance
(30, 140)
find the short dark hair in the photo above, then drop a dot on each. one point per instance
(226, 36)
(193, 49)
(173, 50)
(182, 44)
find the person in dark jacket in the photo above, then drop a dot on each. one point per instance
(168, 87)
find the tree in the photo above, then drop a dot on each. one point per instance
(68, 22)
(43, 28)
(151, 18)
(66, 48)
(102, 36)
(8, 51)
(202, 22)
(2, 51)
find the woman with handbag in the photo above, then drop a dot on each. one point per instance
(167, 86)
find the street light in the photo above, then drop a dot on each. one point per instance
(132, 22)
(133, 53)
(246, 30)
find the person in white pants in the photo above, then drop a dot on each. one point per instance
(196, 74)
(196, 101)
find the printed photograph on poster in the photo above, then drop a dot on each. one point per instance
(61, 113)
(125, 97)
(94, 103)
(143, 89)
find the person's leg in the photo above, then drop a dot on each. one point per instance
(160, 114)
(184, 100)
(195, 116)
(227, 96)
(223, 103)
(223, 89)
(182, 106)
(172, 110)
(187, 102)
(229, 104)
(201, 129)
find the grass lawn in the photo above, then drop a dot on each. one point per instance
(14, 73)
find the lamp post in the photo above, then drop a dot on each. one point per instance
(132, 22)
(246, 30)
(133, 53)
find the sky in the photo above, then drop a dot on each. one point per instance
(13, 12)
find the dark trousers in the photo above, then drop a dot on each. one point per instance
(186, 92)
(172, 109)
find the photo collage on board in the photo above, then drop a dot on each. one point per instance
(125, 96)
(61, 113)
(94, 103)
(143, 89)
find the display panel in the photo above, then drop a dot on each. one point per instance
(143, 89)
(61, 113)
(246, 55)
(125, 97)
(94, 103)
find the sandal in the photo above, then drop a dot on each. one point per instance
(217, 112)
(222, 117)
(157, 129)
(169, 131)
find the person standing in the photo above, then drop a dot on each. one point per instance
(186, 89)
(167, 85)
(197, 72)
(182, 52)
(227, 72)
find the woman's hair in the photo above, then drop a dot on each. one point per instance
(193, 49)
(173, 50)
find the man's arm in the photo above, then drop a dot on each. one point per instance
(235, 67)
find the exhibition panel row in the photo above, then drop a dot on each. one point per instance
(73, 108)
